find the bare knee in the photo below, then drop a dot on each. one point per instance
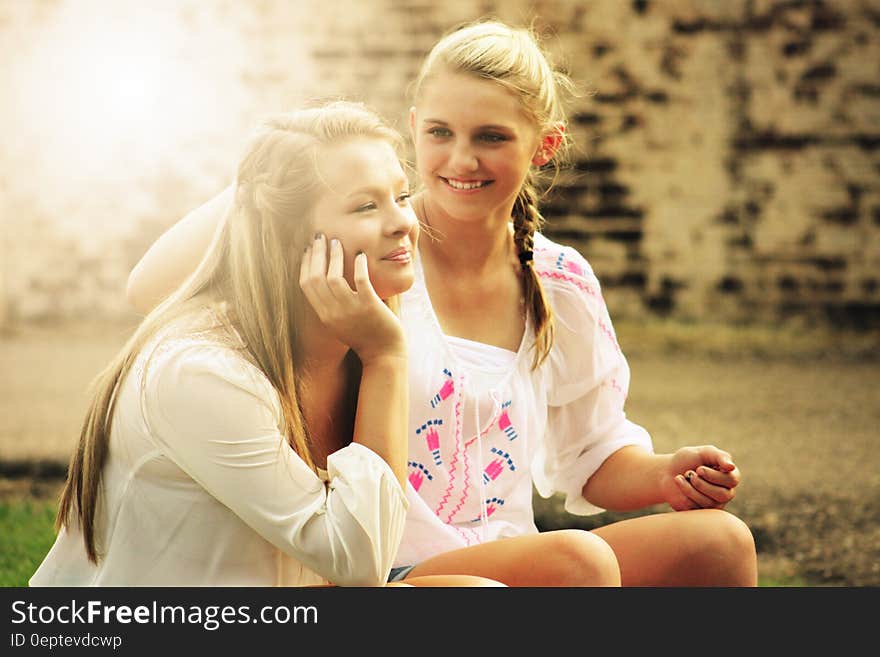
(728, 549)
(580, 558)
(469, 581)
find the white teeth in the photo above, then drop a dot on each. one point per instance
(457, 184)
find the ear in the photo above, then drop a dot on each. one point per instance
(550, 143)
(412, 122)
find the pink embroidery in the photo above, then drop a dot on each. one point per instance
(505, 424)
(469, 535)
(458, 447)
(465, 490)
(568, 264)
(432, 437)
(497, 466)
(609, 334)
(492, 470)
(574, 267)
(447, 389)
(467, 470)
(492, 505)
(614, 384)
(589, 290)
(559, 276)
(417, 478)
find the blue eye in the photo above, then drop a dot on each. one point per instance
(439, 132)
(493, 138)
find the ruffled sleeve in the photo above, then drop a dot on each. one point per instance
(587, 381)
(218, 418)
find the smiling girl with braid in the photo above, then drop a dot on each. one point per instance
(516, 376)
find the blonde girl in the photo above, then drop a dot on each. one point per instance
(252, 430)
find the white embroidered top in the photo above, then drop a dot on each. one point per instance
(552, 427)
(201, 489)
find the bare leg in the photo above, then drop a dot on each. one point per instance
(568, 557)
(448, 581)
(704, 547)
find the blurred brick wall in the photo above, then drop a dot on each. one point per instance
(727, 162)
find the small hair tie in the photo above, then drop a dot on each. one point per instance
(526, 258)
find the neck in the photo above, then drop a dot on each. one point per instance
(472, 246)
(322, 352)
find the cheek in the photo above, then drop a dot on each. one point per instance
(427, 155)
(510, 167)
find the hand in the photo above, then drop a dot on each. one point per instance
(701, 477)
(357, 318)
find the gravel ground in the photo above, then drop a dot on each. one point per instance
(799, 413)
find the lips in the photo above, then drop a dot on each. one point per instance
(401, 255)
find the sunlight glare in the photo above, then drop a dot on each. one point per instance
(106, 95)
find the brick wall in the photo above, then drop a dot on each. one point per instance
(727, 161)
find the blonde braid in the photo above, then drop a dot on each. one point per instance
(526, 220)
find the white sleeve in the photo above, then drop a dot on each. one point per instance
(588, 381)
(218, 419)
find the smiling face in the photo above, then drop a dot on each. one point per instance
(474, 145)
(365, 205)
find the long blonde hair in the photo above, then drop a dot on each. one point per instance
(253, 266)
(514, 58)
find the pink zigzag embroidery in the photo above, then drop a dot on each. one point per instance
(464, 531)
(467, 461)
(614, 384)
(559, 276)
(609, 334)
(448, 492)
(589, 290)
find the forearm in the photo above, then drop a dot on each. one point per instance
(629, 479)
(383, 411)
(176, 254)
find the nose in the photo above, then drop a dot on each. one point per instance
(463, 159)
(400, 220)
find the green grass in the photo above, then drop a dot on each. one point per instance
(26, 534)
(776, 582)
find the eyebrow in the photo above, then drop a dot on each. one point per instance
(375, 190)
(489, 126)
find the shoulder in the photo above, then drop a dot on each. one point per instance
(563, 271)
(194, 365)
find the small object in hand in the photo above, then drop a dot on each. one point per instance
(688, 475)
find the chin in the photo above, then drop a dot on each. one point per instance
(392, 286)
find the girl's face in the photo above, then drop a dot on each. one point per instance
(474, 145)
(366, 207)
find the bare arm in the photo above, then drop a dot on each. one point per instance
(628, 479)
(175, 255)
(382, 411)
(690, 478)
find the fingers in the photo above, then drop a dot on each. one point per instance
(362, 282)
(321, 277)
(336, 282)
(318, 265)
(719, 478)
(717, 458)
(694, 499)
(703, 494)
(336, 265)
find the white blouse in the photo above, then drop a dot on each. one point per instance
(484, 427)
(201, 489)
